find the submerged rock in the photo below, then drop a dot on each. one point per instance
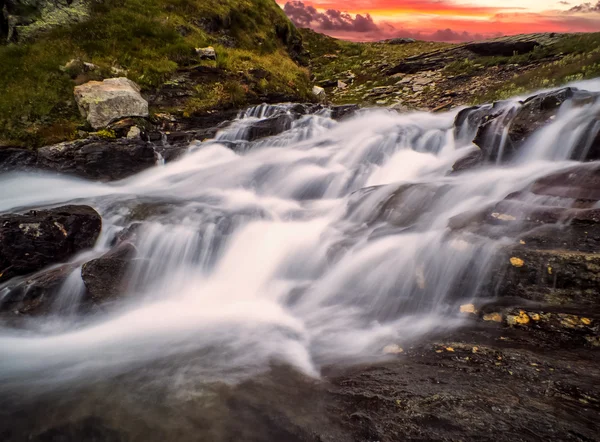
(34, 240)
(102, 102)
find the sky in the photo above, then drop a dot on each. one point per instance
(442, 20)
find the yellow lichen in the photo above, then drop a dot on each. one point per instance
(586, 321)
(522, 242)
(521, 319)
(494, 317)
(517, 262)
(475, 349)
(534, 316)
(549, 270)
(450, 349)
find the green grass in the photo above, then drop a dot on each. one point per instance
(151, 39)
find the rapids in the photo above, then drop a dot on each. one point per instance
(254, 253)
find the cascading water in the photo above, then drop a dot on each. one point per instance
(275, 251)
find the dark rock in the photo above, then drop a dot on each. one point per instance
(34, 294)
(581, 182)
(328, 83)
(104, 277)
(503, 48)
(344, 111)
(88, 429)
(535, 113)
(468, 120)
(269, 127)
(36, 239)
(103, 160)
(16, 159)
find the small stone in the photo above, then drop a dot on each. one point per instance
(393, 349)
(207, 53)
(319, 92)
(134, 133)
(341, 85)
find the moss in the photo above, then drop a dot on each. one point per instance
(106, 134)
(151, 39)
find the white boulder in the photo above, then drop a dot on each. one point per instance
(102, 102)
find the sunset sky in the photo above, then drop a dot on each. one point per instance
(442, 20)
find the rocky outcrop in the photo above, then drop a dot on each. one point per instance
(36, 239)
(102, 102)
(103, 160)
(104, 277)
(502, 48)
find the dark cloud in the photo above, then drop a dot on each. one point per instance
(330, 20)
(585, 8)
(452, 36)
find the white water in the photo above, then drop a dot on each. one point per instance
(270, 256)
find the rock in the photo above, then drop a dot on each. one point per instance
(341, 85)
(330, 56)
(34, 294)
(399, 41)
(319, 92)
(134, 133)
(344, 111)
(468, 120)
(102, 102)
(37, 239)
(328, 83)
(536, 112)
(504, 48)
(269, 127)
(16, 159)
(469, 161)
(382, 90)
(104, 277)
(103, 160)
(207, 53)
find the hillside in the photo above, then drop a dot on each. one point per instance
(151, 42)
(413, 74)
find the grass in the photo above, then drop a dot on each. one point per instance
(151, 40)
(579, 60)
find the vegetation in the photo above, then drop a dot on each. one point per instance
(149, 40)
(572, 58)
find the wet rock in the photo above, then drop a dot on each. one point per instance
(470, 161)
(503, 48)
(88, 429)
(104, 277)
(16, 159)
(269, 127)
(34, 294)
(344, 111)
(468, 120)
(581, 182)
(34, 240)
(535, 113)
(103, 160)
(102, 102)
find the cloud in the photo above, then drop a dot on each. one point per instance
(585, 8)
(564, 3)
(330, 20)
(363, 27)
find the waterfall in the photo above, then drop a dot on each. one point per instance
(254, 251)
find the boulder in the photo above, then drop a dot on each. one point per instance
(104, 277)
(102, 102)
(34, 240)
(103, 160)
(344, 111)
(207, 53)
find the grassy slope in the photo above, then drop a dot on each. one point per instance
(151, 39)
(571, 57)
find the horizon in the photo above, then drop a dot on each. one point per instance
(441, 20)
